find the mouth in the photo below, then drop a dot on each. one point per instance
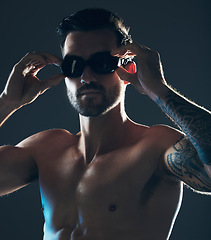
(91, 89)
(90, 92)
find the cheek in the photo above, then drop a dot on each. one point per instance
(122, 84)
(113, 79)
(117, 84)
(71, 87)
(117, 78)
(71, 84)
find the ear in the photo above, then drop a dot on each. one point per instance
(131, 68)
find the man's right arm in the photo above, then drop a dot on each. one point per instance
(23, 86)
(17, 166)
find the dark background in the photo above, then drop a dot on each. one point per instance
(179, 30)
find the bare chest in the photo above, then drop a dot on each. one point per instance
(118, 183)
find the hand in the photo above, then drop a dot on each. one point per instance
(149, 75)
(23, 87)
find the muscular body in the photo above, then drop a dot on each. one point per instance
(114, 180)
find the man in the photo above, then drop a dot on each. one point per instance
(115, 179)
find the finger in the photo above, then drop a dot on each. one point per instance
(32, 63)
(122, 53)
(35, 69)
(38, 59)
(125, 75)
(132, 49)
(145, 47)
(126, 50)
(51, 82)
(50, 58)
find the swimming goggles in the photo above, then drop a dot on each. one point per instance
(101, 62)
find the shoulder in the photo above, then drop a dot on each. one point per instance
(164, 130)
(162, 136)
(163, 133)
(166, 135)
(152, 146)
(51, 138)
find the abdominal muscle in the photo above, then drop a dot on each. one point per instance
(115, 215)
(144, 224)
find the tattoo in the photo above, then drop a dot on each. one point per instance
(193, 120)
(185, 163)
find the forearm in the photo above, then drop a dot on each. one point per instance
(193, 120)
(6, 110)
(149, 79)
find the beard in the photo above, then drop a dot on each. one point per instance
(88, 106)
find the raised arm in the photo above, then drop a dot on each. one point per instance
(23, 87)
(17, 166)
(189, 158)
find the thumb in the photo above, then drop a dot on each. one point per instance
(128, 72)
(51, 82)
(123, 74)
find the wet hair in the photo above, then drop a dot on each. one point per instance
(94, 19)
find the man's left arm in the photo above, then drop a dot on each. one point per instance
(190, 157)
(193, 120)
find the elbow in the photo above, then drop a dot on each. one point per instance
(208, 170)
(205, 156)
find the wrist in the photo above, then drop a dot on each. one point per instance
(158, 92)
(7, 106)
(6, 109)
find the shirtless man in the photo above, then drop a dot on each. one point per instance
(115, 179)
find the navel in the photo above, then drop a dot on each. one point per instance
(42, 208)
(112, 208)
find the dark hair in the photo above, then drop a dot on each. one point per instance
(93, 19)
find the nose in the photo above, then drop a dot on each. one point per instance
(88, 75)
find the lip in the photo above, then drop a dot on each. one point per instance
(90, 92)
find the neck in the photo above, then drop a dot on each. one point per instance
(102, 133)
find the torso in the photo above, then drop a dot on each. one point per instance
(123, 194)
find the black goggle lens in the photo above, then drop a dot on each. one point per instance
(102, 63)
(72, 66)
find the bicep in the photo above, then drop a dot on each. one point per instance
(17, 168)
(182, 161)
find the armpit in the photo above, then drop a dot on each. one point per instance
(183, 161)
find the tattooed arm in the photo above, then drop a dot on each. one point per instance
(192, 119)
(190, 158)
(182, 160)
